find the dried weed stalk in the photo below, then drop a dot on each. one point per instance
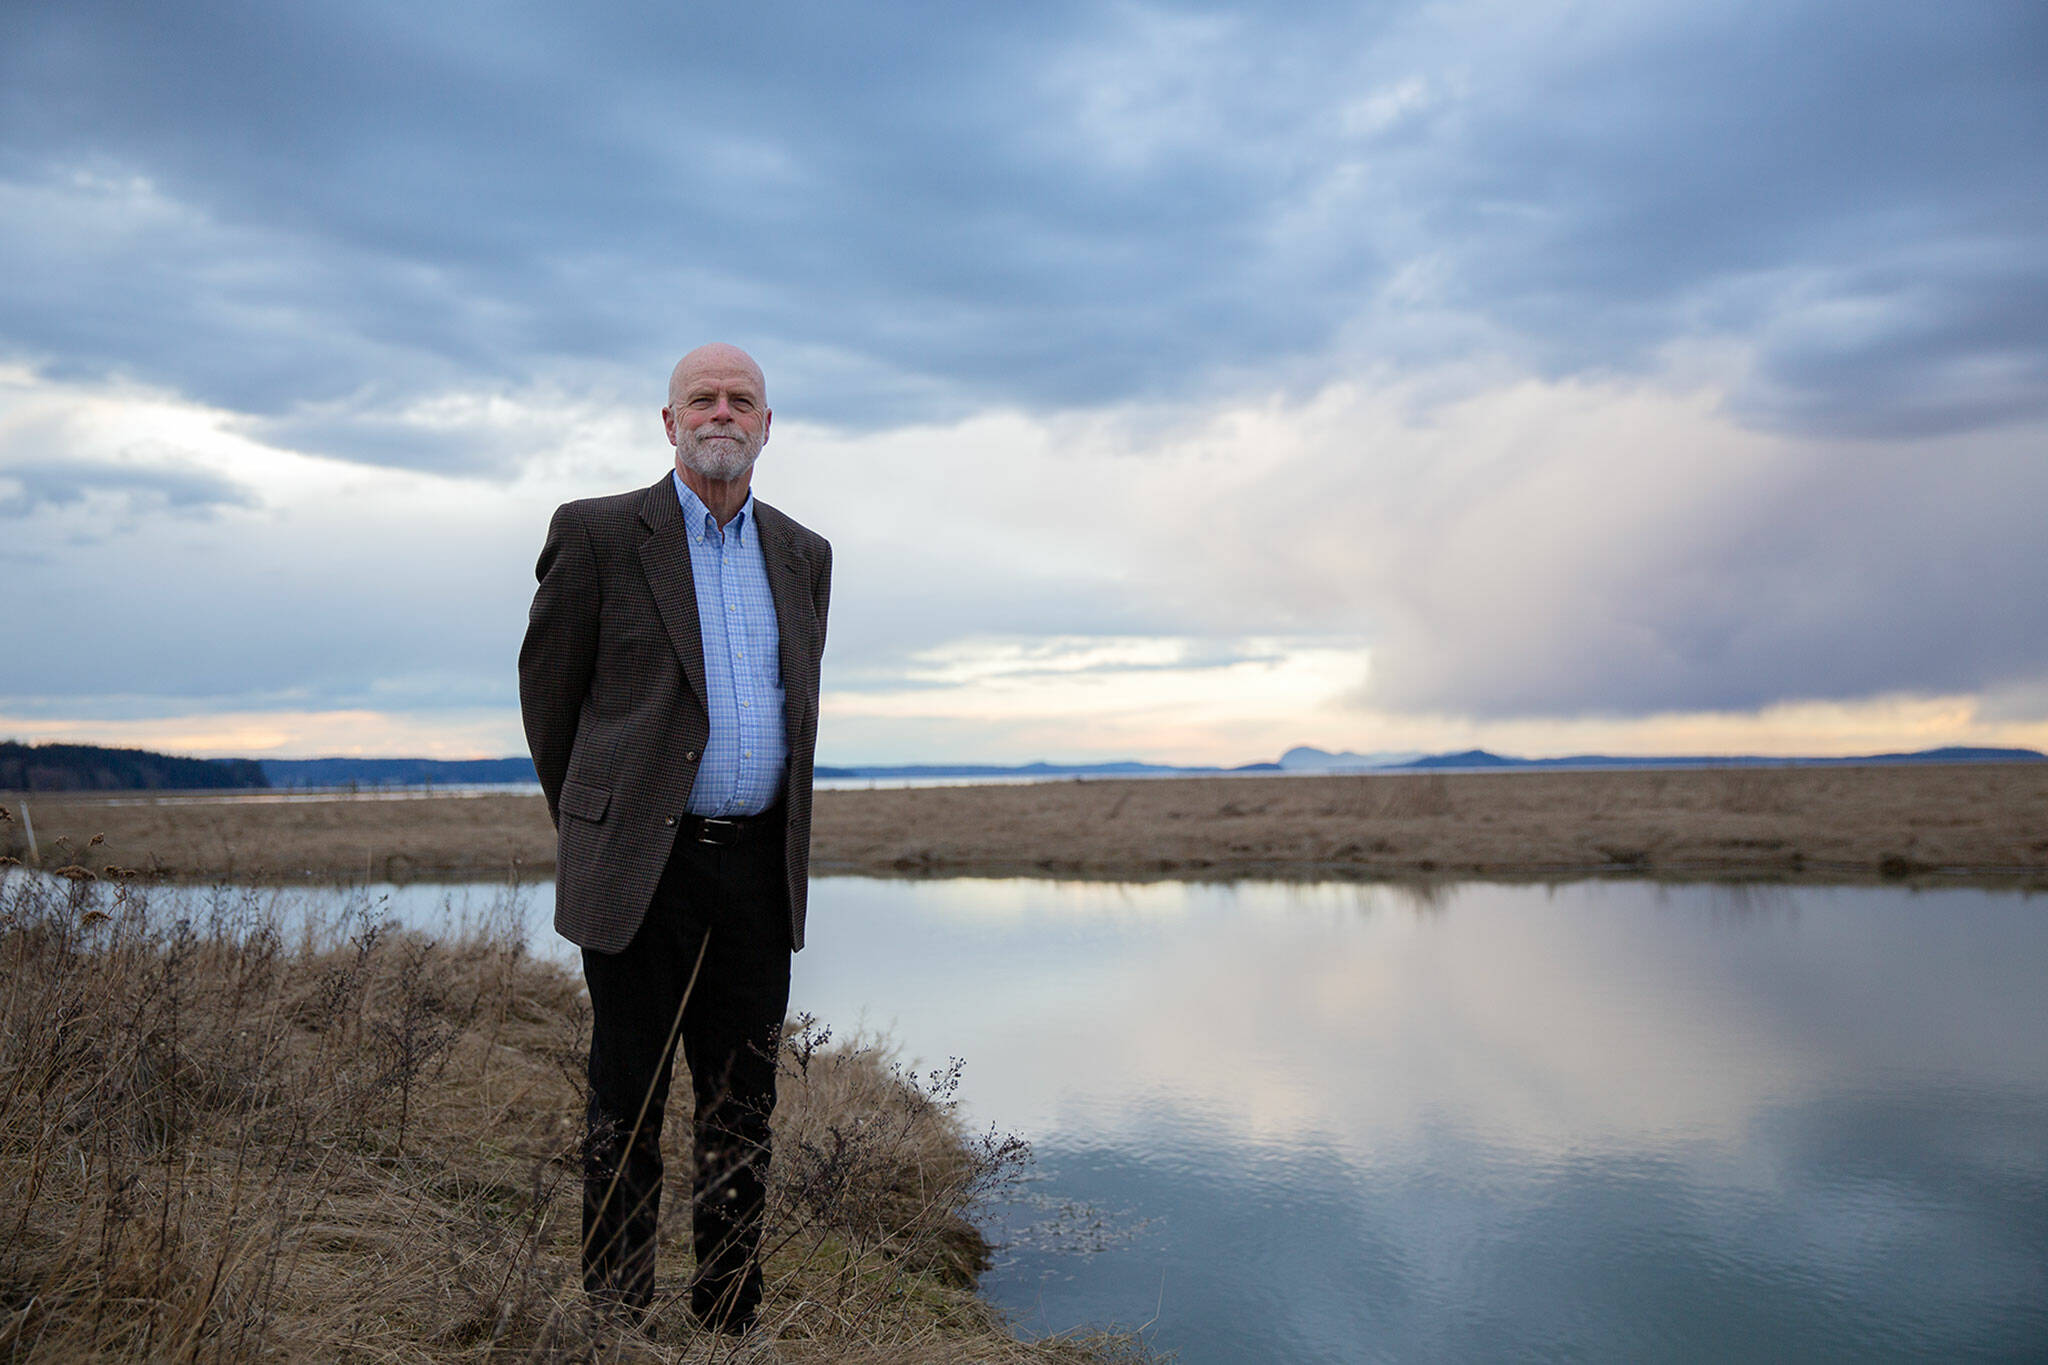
(228, 1134)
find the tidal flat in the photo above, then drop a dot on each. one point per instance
(1962, 823)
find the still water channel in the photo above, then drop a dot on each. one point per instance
(1609, 1120)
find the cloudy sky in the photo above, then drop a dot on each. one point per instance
(1178, 382)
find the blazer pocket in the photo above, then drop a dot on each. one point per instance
(585, 802)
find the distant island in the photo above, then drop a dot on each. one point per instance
(86, 767)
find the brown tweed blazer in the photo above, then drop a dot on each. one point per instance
(611, 687)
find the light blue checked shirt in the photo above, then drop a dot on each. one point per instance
(744, 760)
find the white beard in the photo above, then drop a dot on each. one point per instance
(722, 461)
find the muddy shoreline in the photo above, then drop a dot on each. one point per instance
(1952, 823)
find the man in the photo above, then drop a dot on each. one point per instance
(669, 685)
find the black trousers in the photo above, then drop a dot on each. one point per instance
(709, 970)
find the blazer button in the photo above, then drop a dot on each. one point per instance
(690, 756)
(668, 819)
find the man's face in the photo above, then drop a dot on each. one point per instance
(716, 419)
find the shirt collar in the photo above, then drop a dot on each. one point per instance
(695, 513)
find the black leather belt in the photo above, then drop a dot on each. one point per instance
(731, 829)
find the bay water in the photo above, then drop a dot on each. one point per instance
(1605, 1120)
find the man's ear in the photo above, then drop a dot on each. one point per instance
(668, 424)
(767, 421)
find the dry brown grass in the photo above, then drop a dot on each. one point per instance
(1985, 821)
(223, 1138)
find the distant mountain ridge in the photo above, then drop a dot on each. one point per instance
(1481, 758)
(1304, 759)
(86, 767)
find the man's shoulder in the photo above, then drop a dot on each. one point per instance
(607, 506)
(792, 529)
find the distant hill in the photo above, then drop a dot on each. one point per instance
(1304, 759)
(394, 772)
(1480, 758)
(89, 768)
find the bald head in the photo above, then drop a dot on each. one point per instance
(715, 356)
(717, 419)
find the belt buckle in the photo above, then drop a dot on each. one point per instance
(712, 830)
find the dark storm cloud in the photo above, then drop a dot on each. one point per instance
(1860, 194)
(460, 198)
(919, 211)
(1853, 574)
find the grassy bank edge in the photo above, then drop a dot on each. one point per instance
(223, 1137)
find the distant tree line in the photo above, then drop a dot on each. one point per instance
(89, 768)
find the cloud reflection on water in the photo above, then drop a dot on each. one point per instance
(1361, 1015)
(1615, 1120)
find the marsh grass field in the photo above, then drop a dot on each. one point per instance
(1974, 822)
(231, 1134)
(228, 1138)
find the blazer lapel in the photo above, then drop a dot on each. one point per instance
(789, 585)
(665, 559)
